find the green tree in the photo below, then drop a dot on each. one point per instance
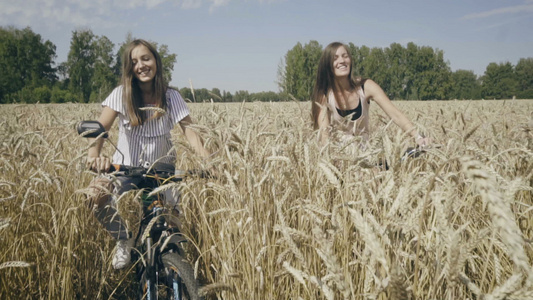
(241, 96)
(120, 52)
(80, 64)
(26, 61)
(217, 96)
(524, 76)
(396, 71)
(428, 76)
(104, 78)
(499, 81)
(227, 97)
(266, 97)
(168, 60)
(465, 85)
(359, 55)
(375, 67)
(298, 73)
(187, 94)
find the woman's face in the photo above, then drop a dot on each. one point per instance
(144, 64)
(341, 63)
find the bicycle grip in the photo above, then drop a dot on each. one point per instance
(114, 167)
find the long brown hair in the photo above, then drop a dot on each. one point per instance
(132, 95)
(325, 79)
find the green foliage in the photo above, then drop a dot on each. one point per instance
(80, 63)
(267, 97)
(227, 96)
(187, 94)
(62, 96)
(465, 85)
(92, 70)
(168, 60)
(499, 81)
(396, 71)
(25, 60)
(104, 78)
(524, 77)
(215, 95)
(297, 77)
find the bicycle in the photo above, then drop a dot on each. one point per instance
(161, 268)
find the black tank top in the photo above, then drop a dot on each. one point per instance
(356, 112)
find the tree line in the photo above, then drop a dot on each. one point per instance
(409, 73)
(90, 73)
(92, 70)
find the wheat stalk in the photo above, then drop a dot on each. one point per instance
(499, 211)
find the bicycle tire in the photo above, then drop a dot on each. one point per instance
(175, 262)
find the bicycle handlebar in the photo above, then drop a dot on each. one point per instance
(413, 152)
(160, 170)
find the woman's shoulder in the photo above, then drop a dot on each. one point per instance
(115, 96)
(176, 104)
(173, 96)
(117, 90)
(173, 93)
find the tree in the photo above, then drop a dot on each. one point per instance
(120, 52)
(428, 76)
(168, 60)
(435, 80)
(299, 73)
(396, 71)
(187, 94)
(26, 61)
(499, 81)
(227, 97)
(104, 78)
(80, 63)
(375, 67)
(359, 55)
(465, 85)
(241, 96)
(215, 93)
(524, 77)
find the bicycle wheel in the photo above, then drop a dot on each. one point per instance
(173, 263)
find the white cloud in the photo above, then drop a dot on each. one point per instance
(217, 3)
(191, 4)
(528, 7)
(100, 13)
(54, 13)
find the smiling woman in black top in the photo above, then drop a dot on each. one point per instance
(341, 102)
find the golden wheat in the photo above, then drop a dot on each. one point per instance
(286, 218)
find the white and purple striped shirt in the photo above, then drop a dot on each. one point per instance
(150, 141)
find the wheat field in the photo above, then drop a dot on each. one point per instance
(285, 218)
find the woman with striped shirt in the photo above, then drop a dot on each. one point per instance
(147, 111)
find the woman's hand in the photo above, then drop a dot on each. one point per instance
(422, 142)
(99, 164)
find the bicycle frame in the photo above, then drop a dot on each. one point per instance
(156, 237)
(157, 245)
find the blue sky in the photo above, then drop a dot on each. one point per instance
(238, 44)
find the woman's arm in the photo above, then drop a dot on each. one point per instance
(192, 137)
(374, 91)
(94, 160)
